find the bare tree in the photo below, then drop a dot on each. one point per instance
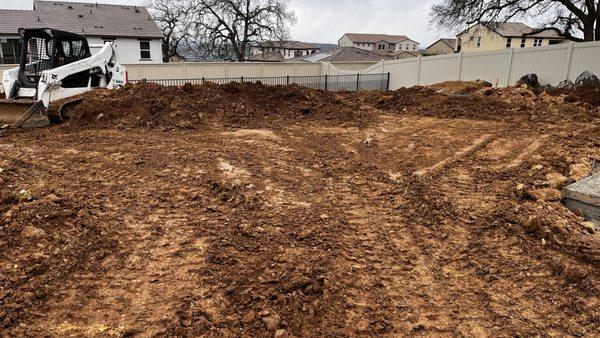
(578, 20)
(175, 18)
(226, 29)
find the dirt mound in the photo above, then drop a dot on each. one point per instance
(579, 94)
(460, 87)
(44, 238)
(503, 104)
(149, 105)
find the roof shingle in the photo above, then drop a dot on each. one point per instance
(83, 18)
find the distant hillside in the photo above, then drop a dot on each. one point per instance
(325, 47)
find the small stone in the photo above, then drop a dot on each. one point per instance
(304, 234)
(587, 78)
(529, 80)
(537, 167)
(534, 225)
(99, 117)
(54, 199)
(543, 242)
(547, 194)
(589, 227)
(566, 84)
(24, 196)
(31, 231)
(556, 180)
(368, 141)
(272, 322)
(580, 170)
(280, 333)
(324, 216)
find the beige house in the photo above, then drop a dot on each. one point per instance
(383, 44)
(501, 35)
(443, 46)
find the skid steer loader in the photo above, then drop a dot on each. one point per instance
(55, 65)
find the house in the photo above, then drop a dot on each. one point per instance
(500, 35)
(443, 46)
(135, 34)
(288, 49)
(343, 54)
(266, 57)
(384, 44)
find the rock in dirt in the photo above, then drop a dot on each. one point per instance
(272, 322)
(32, 232)
(556, 180)
(566, 84)
(587, 78)
(580, 170)
(534, 225)
(546, 194)
(589, 227)
(530, 80)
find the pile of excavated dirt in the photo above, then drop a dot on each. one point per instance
(579, 94)
(460, 87)
(44, 238)
(149, 105)
(512, 103)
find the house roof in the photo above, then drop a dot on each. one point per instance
(343, 54)
(450, 42)
(267, 57)
(288, 45)
(83, 18)
(517, 29)
(374, 38)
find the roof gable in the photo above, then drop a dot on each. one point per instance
(375, 38)
(83, 18)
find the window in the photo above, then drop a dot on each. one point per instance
(381, 46)
(478, 41)
(537, 42)
(554, 42)
(508, 42)
(523, 41)
(145, 50)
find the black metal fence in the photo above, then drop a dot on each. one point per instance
(335, 83)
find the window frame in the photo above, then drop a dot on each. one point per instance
(478, 41)
(523, 42)
(538, 42)
(508, 42)
(145, 50)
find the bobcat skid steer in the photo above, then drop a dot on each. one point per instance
(55, 65)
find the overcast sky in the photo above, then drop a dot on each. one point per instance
(326, 21)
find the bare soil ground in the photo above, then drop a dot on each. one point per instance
(245, 210)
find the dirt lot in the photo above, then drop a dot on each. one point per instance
(246, 210)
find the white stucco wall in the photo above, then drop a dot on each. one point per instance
(128, 49)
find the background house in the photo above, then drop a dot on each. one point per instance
(136, 35)
(288, 49)
(389, 45)
(500, 35)
(443, 46)
(343, 54)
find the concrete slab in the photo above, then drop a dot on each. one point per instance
(585, 196)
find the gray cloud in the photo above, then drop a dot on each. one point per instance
(328, 20)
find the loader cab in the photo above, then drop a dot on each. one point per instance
(45, 49)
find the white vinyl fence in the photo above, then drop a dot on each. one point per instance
(552, 64)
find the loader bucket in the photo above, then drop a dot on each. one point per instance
(22, 113)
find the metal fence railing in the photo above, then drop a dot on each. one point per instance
(9, 60)
(335, 83)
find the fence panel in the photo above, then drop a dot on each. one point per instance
(326, 82)
(552, 64)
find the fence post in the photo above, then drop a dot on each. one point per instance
(511, 53)
(568, 61)
(460, 63)
(419, 70)
(357, 81)
(242, 79)
(387, 86)
(288, 80)
(326, 82)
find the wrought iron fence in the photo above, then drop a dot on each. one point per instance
(9, 60)
(335, 83)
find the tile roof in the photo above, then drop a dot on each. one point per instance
(374, 38)
(343, 54)
(83, 18)
(267, 57)
(450, 42)
(288, 45)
